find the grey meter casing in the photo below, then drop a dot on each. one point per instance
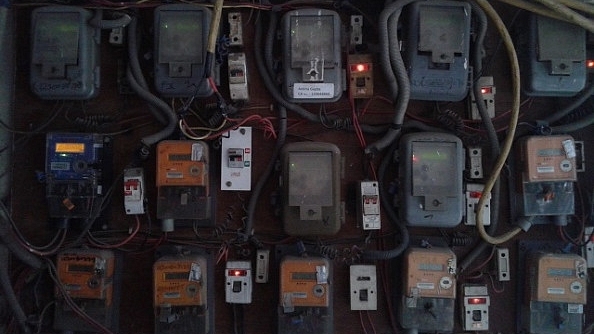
(64, 54)
(312, 61)
(181, 35)
(431, 179)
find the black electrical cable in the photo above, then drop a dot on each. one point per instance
(394, 68)
(8, 291)
(491, 134)
(577, 101)
(134, 65)
(154, 100)
(280, 142)
(8, 239)
(392, 216)
(98, 22)
(574, 126)
(269, 43)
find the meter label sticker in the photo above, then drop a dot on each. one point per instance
(556, 291)
(195, 273)
(313, 90)
(575, 308)
(545, 169)
(197, 152)
(426, 286)
(301, 295)
(60, 165)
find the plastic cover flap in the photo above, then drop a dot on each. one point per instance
(180, 36)
(312, 38)
(56, 38)
(433, 168)
(310, 179)
(442, 32)
(560, 41)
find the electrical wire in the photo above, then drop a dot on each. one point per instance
(132, 235)
(53, 272)
(513, 122)
(568, 14)
(8, 291)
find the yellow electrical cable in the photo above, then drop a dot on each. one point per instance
(214, 27)
(581, 6)
(534, 8)
(513, 122)
(569, 14)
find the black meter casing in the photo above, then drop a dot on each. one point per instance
(437, 50)
(64, 54)
(181, 35)
(431, 179)
(312, 59)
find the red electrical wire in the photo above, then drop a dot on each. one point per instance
(120, 244)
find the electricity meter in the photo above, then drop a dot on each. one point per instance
(64, 53)
(181, 33)
(312, 56)
(311, 188)
(431, 176)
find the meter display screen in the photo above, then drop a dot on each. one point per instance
(180, 37)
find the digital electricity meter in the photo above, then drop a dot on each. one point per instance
(181, 34)
(311, 188)
(87, 275)
(75, 171)
(429, 290)
(64, 53)
(431, 177)
(312, 58)
(555, 294)
(548, 171)
(437, 49)
(180, 294)
(182, 182)
(305, 294)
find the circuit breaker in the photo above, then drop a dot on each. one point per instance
(360, 71)
(182, 182)
(236, 159)
(181, 33)
(134, 191)
(75, 173)
(238, 77)
(475, 307)
(431, 176)
(312, 56)
(311, 188)
(363, 283)
(368, 213)
(437, 49)
(556, 293)
(429, 290)
(305, 296)
(182, 294)
(87, 275)
(238, 282)
(64, 53)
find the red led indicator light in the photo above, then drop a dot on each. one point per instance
(590, 63)
(236, 272)
(359, 67)
(476, 301)
(475, 194)
(486, 90)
